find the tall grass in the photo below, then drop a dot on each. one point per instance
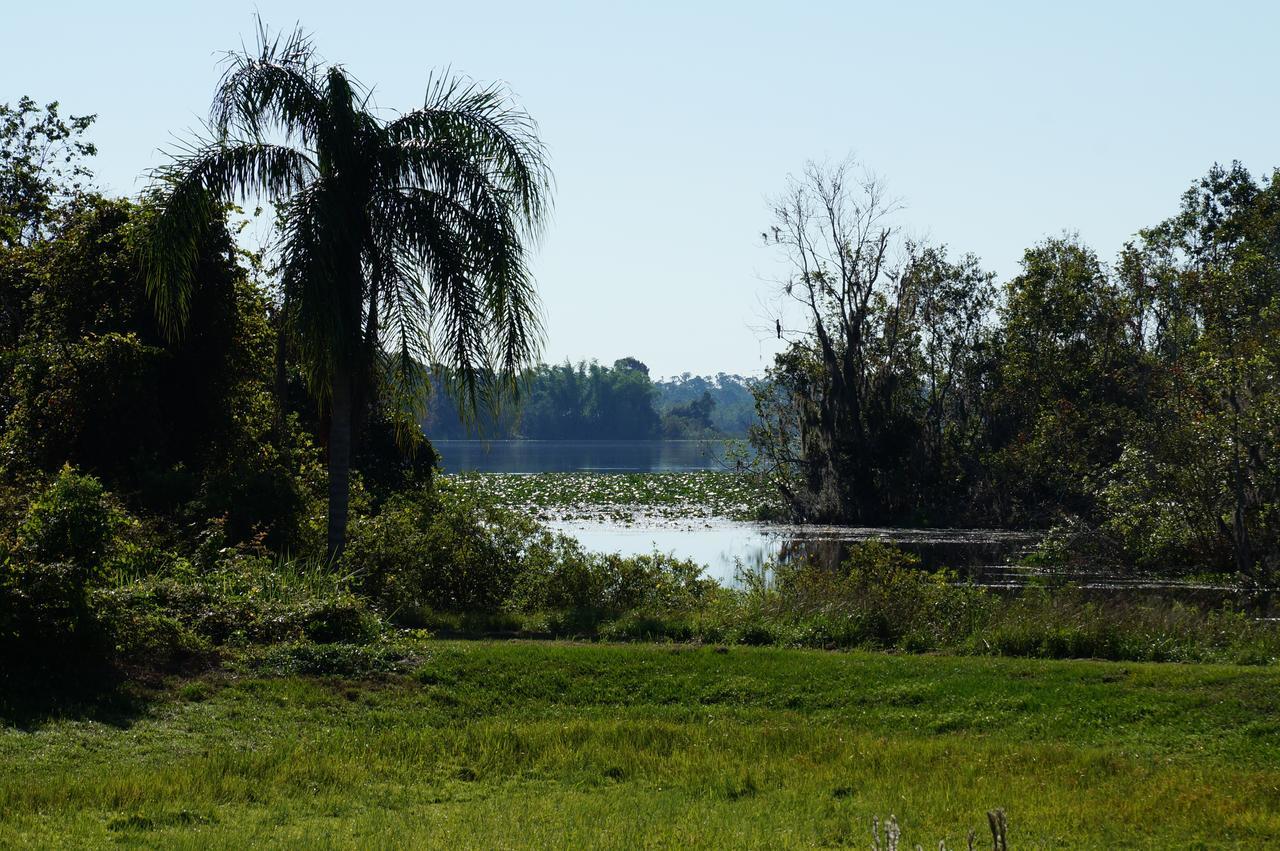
(527, 745)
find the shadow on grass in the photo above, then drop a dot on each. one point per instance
(38, 691)
(34, 695)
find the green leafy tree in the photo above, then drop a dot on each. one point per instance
(41, 164)
(1072, 381)
(410, 232)
(173, 425)
(1201, 481)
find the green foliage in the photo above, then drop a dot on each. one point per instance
(599, 746)
(583, 401)
(72, 520)
(722, 405)
(872, 412)
(402, 238)
(691, 419)
(879, 597)
(94, 381)
(242, 599)
(1071, 382)
(1136, 404)
(46, 612)
(333, 660)
(67, 540)
(588, 401)
(41, 164)
(451, 550)
(441, 548)
(560, 577)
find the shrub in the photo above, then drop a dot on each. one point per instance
(338, 660)
(247, 600)
(59, 554)
(558, 575)
(878, 597)
(439, 548)
(72, 520)
(45, 607)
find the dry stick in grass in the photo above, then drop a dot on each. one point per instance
(996, 820)
(892, 833)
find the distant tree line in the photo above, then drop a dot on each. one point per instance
(590, 401)
(1134, 406)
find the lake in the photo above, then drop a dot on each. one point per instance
(721, 545)
(725, 546)
(988, 557)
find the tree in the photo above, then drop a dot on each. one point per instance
(691, 419)
(1072, 381)
(413, 229)
(1203, 479)
(41, 163)
(842, 420)
(90, 378)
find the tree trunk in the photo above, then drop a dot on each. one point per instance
(339, 460)
(363, 387)
(281, 372)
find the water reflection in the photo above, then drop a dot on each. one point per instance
(724, 545)
(986, 557)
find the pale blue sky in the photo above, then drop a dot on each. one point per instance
(670, 124)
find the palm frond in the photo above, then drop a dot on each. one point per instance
(482, 318)
(189, 195)
(275, 88)
(317, 276)
(502, 139)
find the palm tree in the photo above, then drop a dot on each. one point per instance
(402, 241)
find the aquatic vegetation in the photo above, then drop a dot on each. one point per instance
(624, 497)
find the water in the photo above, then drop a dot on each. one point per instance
(986, 557)
(567, 456)
(724, 546)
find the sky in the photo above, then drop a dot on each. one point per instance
(670, 125)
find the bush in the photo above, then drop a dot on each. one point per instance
(45, 608)
(443, 551)
(439, 548)
(335, 660)
(558, 575)
(73, 520)
(879, 597)
(59, 554)
(247, 600)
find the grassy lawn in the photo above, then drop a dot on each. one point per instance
(501, 745)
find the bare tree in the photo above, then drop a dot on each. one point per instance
(884, 323)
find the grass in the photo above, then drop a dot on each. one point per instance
(622, 496)
(513, 745)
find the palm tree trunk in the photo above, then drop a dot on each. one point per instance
(281, 371)
(363, 388)
(339, 459)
